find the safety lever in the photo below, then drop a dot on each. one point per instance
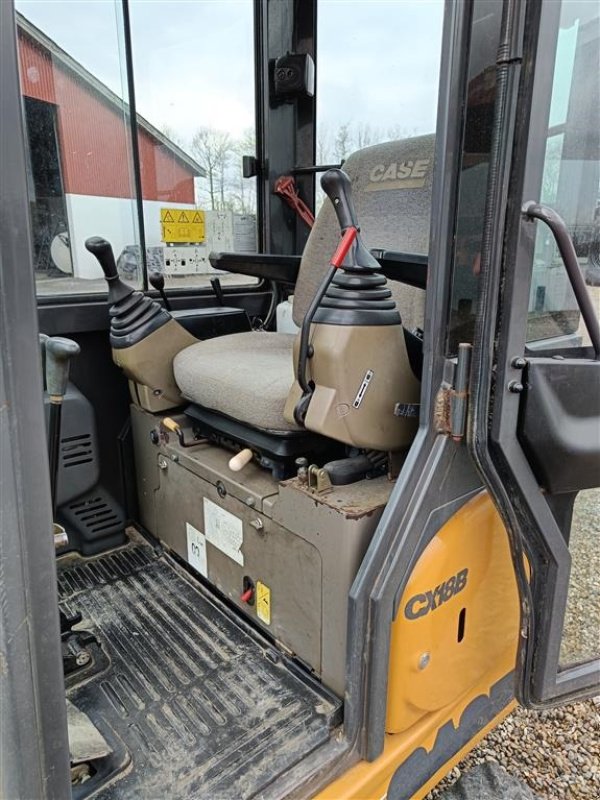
(285, 187)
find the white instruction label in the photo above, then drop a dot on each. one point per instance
(224, 531)
(196, 549)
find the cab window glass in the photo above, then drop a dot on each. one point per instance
(571, 185)
(80, 173)
(571, 180)
(194, 82)
(377, 74)
(474, 168)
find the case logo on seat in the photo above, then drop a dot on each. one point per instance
(399, 175)
(421, 604)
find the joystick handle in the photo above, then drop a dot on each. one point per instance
(156, 279)
(102, 250)
(336, 185)
(59, 353)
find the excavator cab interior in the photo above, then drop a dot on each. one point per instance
(290, 560)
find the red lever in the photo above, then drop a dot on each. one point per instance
(285, 187)
(348, 237)
(247, 595)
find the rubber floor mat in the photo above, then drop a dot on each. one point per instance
(194, 703)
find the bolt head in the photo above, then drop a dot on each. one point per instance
(424, 660)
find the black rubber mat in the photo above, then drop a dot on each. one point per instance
(194, 703)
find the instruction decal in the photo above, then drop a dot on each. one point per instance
(224, 531)
(363, 388)
(196, 549)
(263, 602)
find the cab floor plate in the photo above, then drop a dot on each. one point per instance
(194, 703)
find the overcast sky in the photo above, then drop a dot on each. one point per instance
(378, 60)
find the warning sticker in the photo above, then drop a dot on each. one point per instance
(196, 549)
(182, 225)
(263, 602)
(224, 530)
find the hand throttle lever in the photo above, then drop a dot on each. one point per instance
(59, 353)
(156, 279)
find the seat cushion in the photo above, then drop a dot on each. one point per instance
(246, 376)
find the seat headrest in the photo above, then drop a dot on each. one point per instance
(391, 187)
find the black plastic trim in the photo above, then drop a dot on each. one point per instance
(408, 268)
(280, 268)
(422, 764)
(34, 746)
(279, 444)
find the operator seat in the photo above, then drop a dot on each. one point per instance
(247, 376)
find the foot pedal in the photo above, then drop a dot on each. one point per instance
(76, 645)
(94, 521)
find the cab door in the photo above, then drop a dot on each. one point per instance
(535, 421)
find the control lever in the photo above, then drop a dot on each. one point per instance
(336, 185)
(285, 187)
(59, 353)
(99, 247)
(157, 281)
(217, 289)
(133, 315)
(43, 339)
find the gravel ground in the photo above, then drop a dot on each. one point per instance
(581, 635)
(557, 752)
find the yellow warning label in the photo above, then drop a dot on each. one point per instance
(263, 602)
(181, 225)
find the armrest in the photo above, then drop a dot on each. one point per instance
(405, 267)
(283, 269)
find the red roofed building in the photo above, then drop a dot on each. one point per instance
(81, 169)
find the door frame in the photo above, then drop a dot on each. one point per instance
(34, 746)
(498, 359)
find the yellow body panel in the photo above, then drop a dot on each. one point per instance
(438, 663)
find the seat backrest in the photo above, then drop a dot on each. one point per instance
(391, 187)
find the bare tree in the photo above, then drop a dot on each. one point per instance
(323, 143)
(364, 135)
(243, 195)
(212, 150)
(342, 145)
(173, 136)
(400, 132)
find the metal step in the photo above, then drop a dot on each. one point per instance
(192, 700)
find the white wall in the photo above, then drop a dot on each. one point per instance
(113, 218)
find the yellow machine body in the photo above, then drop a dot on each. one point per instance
(454, 637)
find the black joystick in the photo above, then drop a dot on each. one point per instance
(336, 185)
(99, 247)
(357, 294)
(157, 281)
(353, 291)
(133, 316)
